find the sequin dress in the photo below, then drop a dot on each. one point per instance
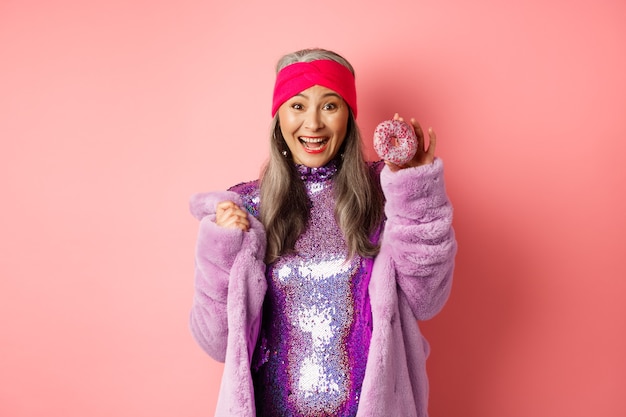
(311, 355)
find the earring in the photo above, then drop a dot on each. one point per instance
(284, 153)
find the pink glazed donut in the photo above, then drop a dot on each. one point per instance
(395, 141)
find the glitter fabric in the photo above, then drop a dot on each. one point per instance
(311, 355)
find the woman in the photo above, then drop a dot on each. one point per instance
(311, 280)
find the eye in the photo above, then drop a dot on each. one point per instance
(297, 106)
(330, 106)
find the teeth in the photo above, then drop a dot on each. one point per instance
(312, 140)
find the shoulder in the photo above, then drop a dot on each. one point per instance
(249, 193)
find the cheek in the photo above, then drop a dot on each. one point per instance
(340, 126)
(283, 118)
(289, 120)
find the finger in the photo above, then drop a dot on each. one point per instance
(223, 218)
(232, 212)
(397, 116)
(226, 203)
(228, 214)
(223, 206)
(236, 212)
(236, 223)
(432, 142)
(228, 207)
(241, 219)
(393, 167)
(417, 127)
(419, 133)
(244, 224)
(241, 216)
(222, 211)
(234, 220)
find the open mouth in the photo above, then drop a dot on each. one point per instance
(313, 145)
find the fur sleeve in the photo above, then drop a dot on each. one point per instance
(419, 235)
(216, 250)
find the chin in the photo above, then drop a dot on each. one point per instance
(315, 162)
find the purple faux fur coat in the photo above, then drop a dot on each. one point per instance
(411, 280)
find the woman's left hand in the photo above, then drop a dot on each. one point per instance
(424, 155)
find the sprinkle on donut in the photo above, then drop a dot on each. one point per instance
(395, 141)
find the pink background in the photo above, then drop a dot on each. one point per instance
(112, 113)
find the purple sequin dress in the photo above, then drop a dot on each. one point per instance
(311, 355)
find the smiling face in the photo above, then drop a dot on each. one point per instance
(314, 124)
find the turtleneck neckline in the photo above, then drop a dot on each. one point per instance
(323, 173)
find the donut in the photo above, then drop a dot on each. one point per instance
(395, 141)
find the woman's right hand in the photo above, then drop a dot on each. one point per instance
(231, 216)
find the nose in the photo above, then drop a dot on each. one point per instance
(313, 120)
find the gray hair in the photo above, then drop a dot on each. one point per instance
(309, 55)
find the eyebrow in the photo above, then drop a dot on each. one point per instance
(332, 94)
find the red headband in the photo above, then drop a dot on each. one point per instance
(295, 78)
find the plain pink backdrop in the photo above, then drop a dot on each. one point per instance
(112, 113)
